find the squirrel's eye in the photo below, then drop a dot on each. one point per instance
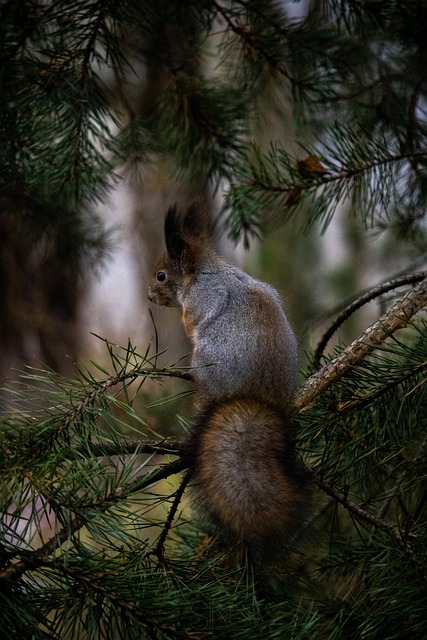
(161, 276)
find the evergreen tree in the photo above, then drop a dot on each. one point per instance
(96, 537)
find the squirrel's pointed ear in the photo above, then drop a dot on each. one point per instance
(175, 244)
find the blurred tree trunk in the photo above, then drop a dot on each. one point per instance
(38, 300)
(150, 192)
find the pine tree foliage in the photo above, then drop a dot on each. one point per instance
(354, 73)
(97, 539)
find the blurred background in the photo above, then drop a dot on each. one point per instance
(113, 111)
(303, 126)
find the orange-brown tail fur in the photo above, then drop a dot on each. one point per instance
(246, 477)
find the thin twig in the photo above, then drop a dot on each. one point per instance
(158, 551)
(39, 560)
(395, 489)
(370, 398)
(356, 304)
(29, 557)
(397, 317)
(128, 489)
(246, 37)
(128, 447)
(160, 473)
(101, 388)
(352, 506)
(14, 571)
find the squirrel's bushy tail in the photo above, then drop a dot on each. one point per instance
(246, 478)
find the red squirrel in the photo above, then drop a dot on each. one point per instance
(245, 475)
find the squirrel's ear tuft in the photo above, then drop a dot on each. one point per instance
(171, 221)
(188, 233)
(175, 244)
(196, 222)
(187, 227)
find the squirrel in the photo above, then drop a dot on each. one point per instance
(246, 478)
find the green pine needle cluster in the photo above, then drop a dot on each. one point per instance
(353, 76)
(99, 540)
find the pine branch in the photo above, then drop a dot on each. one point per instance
(29, 558)
(15, 571)
(100, 389)
(353, 507)
(164, 447)
(402, 475)
(66, 568)
(349, 164)
(126, 490)
(158, 551)
(160, 473)
(30, 26)
(251, 42)
(382, 288)
(397, 317)
(370, 398)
